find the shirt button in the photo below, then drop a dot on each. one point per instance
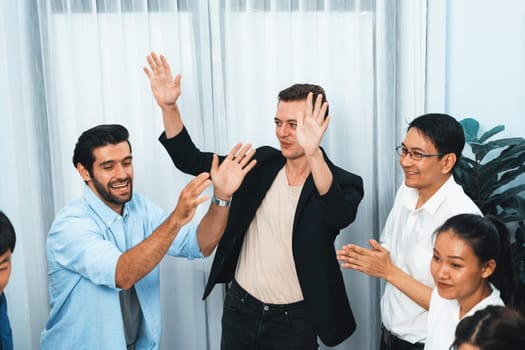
(266, 308)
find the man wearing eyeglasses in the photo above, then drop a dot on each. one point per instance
(428, 197)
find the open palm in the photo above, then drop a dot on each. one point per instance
(227, 177)
(165, 89)
(311, 124)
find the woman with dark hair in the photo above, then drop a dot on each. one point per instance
(493, 328)
(472, 269)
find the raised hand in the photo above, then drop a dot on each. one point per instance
(311, 124)
(165, 89)
(227, 177)
(189, 198)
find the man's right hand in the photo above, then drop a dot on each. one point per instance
(374, 262)
(227, 177)
(189, 199)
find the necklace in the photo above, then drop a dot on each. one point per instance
(297, 178)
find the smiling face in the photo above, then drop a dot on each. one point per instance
(112, 175)
(285, 128)
(457, 271)
(428, 174)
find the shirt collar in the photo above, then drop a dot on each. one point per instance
(106, 214)
(433, 203)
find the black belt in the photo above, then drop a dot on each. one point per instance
(398, 343)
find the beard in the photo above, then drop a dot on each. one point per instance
(108, 196)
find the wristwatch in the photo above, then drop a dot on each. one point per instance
(221, 202)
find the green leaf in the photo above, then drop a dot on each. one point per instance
(488, 185)
(511, 175)
(514, 151)
(466, 173)
(491, 177)
(509, 217)
(515, 204)
(505, 162)
(487, 206)
(488, 134)
(520, 235)
(470, 129)
(507, 194)
(482, 150)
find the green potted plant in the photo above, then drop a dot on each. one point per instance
(493, 175)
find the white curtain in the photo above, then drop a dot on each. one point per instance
(93, 57)
(25, 189)
(68, 65)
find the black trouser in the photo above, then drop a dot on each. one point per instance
(391, 342)
(250, 324)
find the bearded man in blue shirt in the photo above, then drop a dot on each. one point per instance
(103, 249)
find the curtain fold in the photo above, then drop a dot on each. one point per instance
(411, 59)
(86, 59)
(25, 187)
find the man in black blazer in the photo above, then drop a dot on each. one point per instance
(278, 246)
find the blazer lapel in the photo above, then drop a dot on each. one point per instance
(306, 193)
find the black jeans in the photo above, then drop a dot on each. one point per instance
(250, 324)
(391, 342)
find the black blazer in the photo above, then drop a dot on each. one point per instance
(318, 220)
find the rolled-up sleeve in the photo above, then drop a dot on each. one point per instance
(186, 243)
(76, 244)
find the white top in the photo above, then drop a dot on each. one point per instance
(408, 235)
(266, 268)
(443, 318)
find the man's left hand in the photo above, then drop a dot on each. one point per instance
(228, 176)
(312, 124)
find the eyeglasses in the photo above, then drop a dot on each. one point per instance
(415, 155)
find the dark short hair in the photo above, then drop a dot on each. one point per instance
(492, 328)
(443, 130)
(98, 136)
(7, 234)
(298, 92)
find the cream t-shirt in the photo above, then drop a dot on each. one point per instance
(266, 268)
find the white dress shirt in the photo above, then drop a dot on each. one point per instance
(408, 235)
(443, 317)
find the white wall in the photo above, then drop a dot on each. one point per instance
(476, 62)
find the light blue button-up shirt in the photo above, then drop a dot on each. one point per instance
(83, 247)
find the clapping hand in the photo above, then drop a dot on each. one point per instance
(374, 261)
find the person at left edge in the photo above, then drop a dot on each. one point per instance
(7, 246)
(103, 249)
